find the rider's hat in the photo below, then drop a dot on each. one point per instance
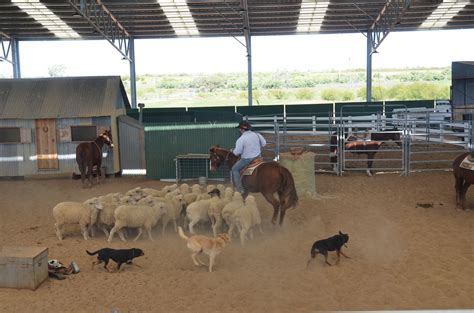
(244, 125)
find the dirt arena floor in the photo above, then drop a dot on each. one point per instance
(410, 250)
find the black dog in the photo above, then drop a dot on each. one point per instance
(120, 256)
(330, 244)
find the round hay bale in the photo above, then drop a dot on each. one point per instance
(302, 168)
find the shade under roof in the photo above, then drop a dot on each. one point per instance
(221, 18)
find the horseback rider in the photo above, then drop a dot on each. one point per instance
(249, 147)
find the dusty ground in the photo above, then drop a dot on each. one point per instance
(403, 255)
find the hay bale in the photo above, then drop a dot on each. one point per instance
(302, 168)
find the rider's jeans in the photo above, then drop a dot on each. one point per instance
(235, 172)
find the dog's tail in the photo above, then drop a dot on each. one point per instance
(181, 233)
(92, 253)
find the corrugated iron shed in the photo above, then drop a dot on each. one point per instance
(65, 97)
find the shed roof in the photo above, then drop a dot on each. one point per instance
(65, 97)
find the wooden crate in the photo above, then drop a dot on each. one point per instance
(23, 267)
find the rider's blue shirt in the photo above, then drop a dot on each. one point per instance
(249, 145)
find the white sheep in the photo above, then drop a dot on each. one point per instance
(193, 196)
(137, 216)
(105, 219)
(174, 205)
(84, 214)
(228, 194)
(221, 188)
(198, 211)
(136, 193)
(184, 188)
(229, 209)
(215, 214)
(206, 195)
(247, 217)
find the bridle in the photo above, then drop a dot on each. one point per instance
(218, 156)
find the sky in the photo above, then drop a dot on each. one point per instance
(221, 55)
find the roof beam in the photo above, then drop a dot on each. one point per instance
(6, 43)
(389, 16)
(102, 20)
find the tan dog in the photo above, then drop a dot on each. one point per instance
(208, 245)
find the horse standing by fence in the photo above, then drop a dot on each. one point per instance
(268, 178)
(368, 147)
(89, 154)
(463, 179)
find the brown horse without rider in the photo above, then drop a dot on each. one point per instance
(463, 179)
(368, 147)
(268, 178)
(89, 154)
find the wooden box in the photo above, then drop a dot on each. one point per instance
(23, 267)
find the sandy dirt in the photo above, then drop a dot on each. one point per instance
(409, 249)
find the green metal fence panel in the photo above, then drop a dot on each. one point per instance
(215, 114)
(269, 110)
(163, 143)
(323, 109)
(390, 105)
(358, 108)
(214, 109)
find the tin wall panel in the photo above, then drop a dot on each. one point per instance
(17, 159)
(163, 144)
(132, 144)
(20, 159)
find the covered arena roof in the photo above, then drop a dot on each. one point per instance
(59, 19)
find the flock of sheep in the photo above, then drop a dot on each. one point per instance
(143, 208)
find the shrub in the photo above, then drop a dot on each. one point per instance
(277, 94)
(304, 94)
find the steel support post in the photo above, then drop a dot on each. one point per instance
(16, 59)
(249, 71)
(133, 78)
(248, 44)
(368, 96)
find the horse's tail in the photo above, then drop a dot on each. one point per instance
(287, 189)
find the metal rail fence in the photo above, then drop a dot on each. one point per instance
(428, 141)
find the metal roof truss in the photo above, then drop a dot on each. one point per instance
(104, 23)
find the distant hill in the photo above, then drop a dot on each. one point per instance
(287, 87)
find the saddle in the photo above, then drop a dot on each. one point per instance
(468, 163)
(248, 170)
